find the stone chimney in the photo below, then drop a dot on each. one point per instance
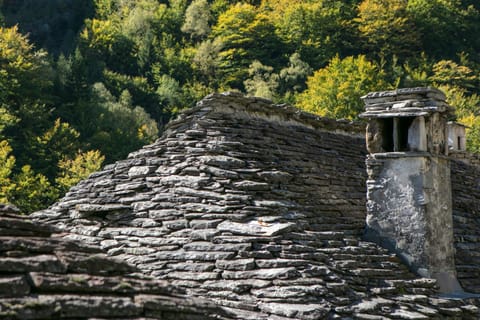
(409, 205)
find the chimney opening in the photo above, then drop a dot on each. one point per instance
(403, 127)
(387, 134)
(397, 134)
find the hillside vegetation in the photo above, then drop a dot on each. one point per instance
(86, 82)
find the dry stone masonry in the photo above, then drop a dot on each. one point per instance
(43, 276)
(409, 205)
(466, 221)
(258, 208)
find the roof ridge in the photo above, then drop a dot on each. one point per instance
(236, 102)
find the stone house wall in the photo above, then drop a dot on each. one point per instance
(465, 176)
(465, 157)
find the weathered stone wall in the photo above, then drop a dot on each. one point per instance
(466, 157)
(466, 220)
(409, 212)
(465, 179)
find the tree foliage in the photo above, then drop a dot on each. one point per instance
(72, 170)
(197, 19)
(245, 35)
(387, 28)
(317, 30)
(446, 27)
(262, 82)
(31, 191)
(335, 90)
(7, 163)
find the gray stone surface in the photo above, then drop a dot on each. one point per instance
(466, 222)
(409, 211)
(409, 206)
(45, 277)
(258, 208)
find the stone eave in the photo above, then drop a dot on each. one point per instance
(399, 114)
(410, 102)
(418, 93)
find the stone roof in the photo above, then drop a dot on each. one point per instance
(43, 276)
(405, 102)
(258, 208)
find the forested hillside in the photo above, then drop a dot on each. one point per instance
(84, 82)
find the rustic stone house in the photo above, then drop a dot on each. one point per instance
(248, 210)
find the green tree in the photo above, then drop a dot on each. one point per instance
(6, 120)
(142, 91)
(7, 163)
(206, 62)
(105, 8)
(245, 35)
(415, 72)
(72, 170)
(25, 189)
(293, 78)
(335, 90)
(31, 191)
(120, 126)
(197, 19)
(467, 112)
(472, 132)
(317, 30)
(169, 91)
(262, 81)
(387, 29)
(59, 141)
(457, 83)
(447, 27)
(104, 40)
(466, 105)
(448, 72)
(24, 72)
(25, 84)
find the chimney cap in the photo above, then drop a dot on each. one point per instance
(404, 102)
(417, 93)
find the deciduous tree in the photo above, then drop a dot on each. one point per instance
(197, 19)
(31, 191)
(387, 29)
(245, 35)
(446, 27)
(317, 30)
(72, 170)
(262, 81)
(335, 90)
(7, 163)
